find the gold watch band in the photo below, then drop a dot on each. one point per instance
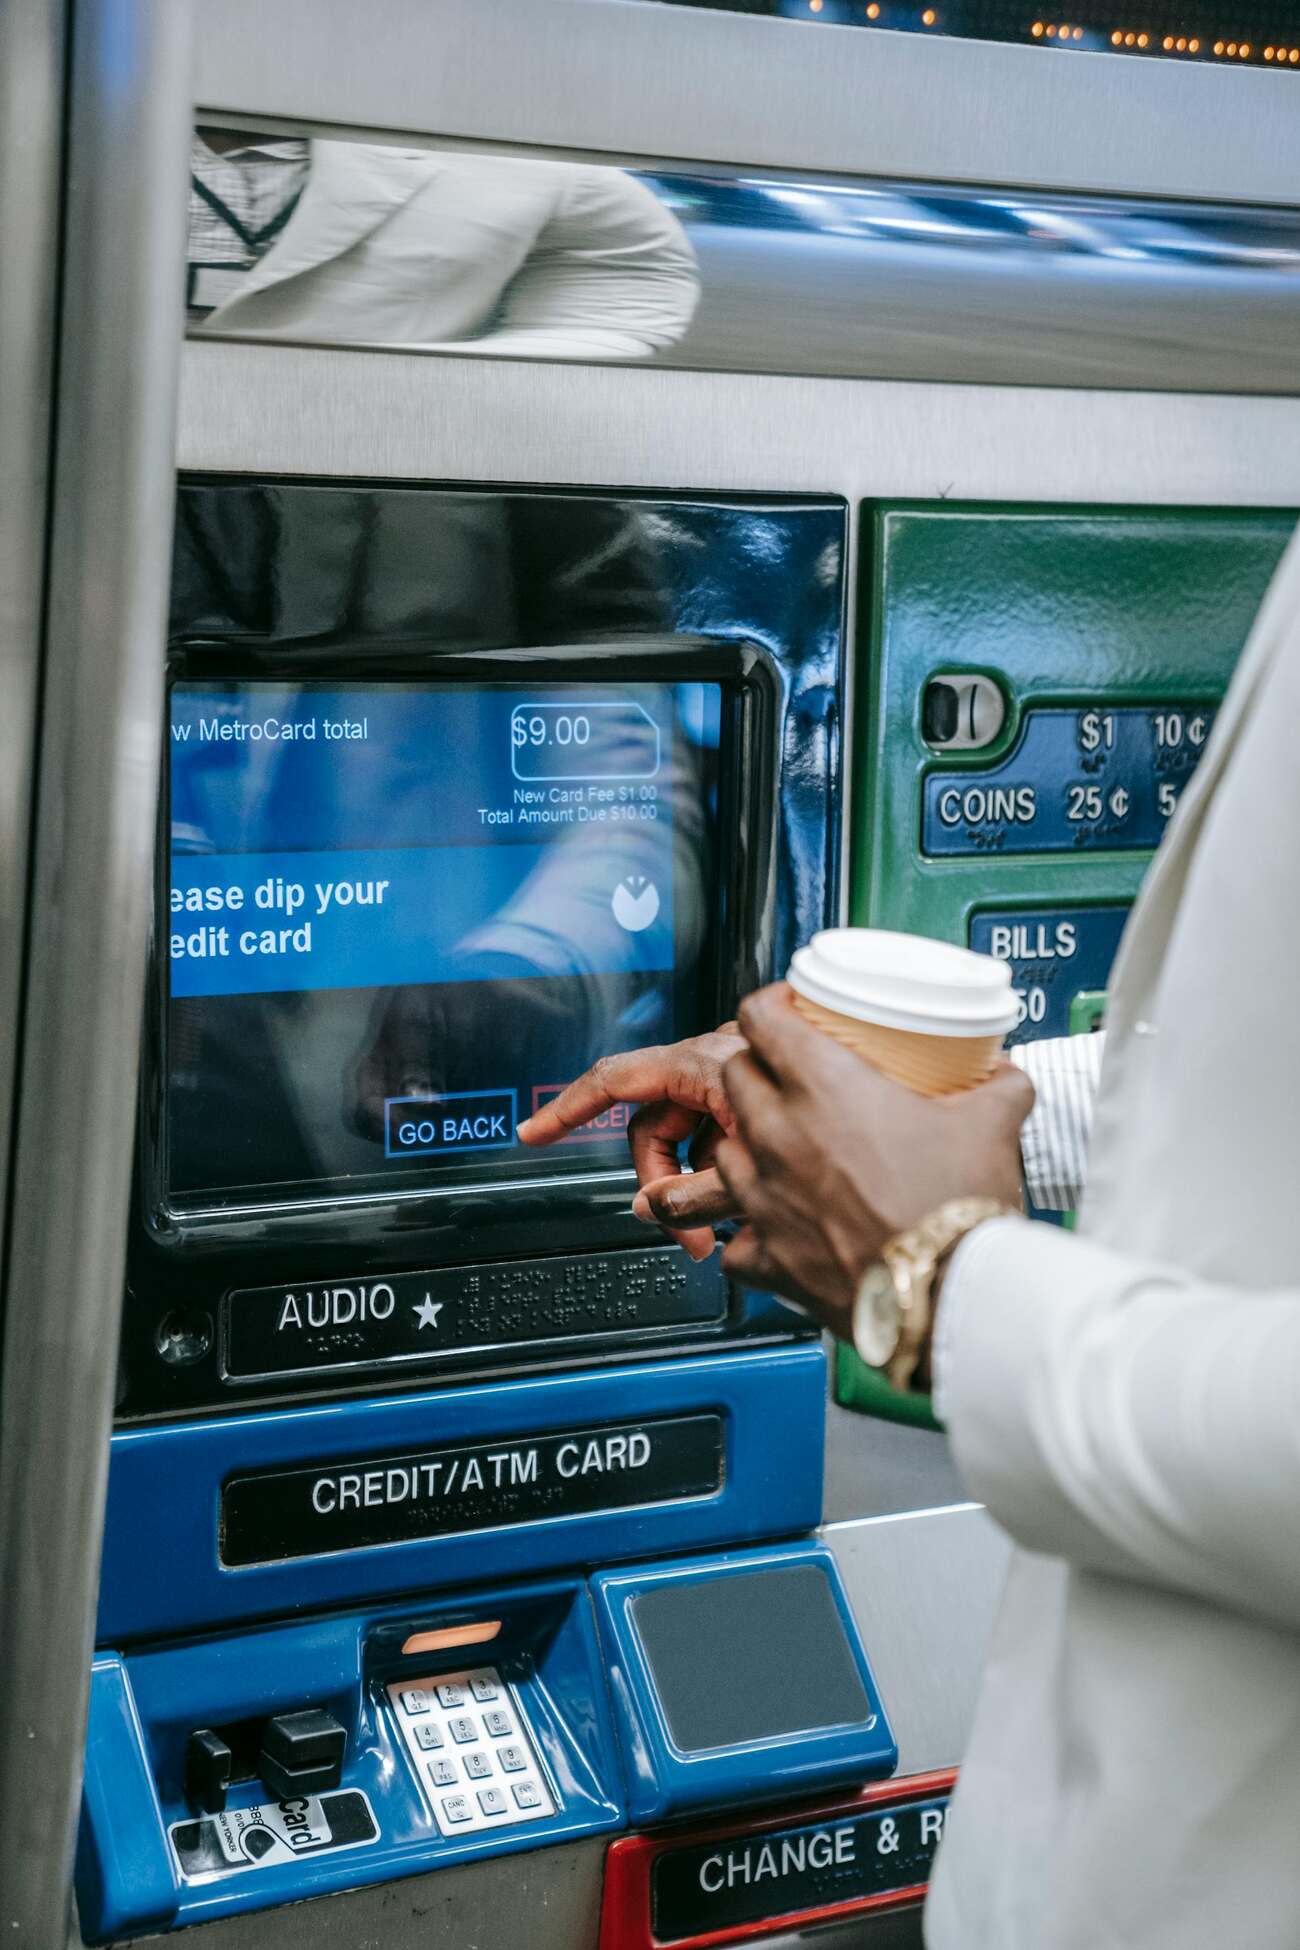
(912, 1258)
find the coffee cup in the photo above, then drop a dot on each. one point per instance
(928, 1014)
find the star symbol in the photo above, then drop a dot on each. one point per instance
(427, 1310)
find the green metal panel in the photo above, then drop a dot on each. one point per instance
(1087, 1011)
(1068, 608)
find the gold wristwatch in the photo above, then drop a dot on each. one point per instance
(892, 1308)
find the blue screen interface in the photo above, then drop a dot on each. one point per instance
(401, 916)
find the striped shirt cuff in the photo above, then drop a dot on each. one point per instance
(1065, 1072)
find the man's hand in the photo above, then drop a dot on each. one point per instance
(828, 1159)
(679, 1088)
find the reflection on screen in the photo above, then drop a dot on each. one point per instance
(401, 916)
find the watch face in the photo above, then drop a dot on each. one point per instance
(877, 1317)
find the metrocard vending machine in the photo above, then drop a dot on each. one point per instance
(450, 1512)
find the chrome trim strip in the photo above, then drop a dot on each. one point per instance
(128, 117)
(776, 272)
(31, 91)
(630, 79)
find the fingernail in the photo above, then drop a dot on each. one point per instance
(641, 1209)
(521, 1129)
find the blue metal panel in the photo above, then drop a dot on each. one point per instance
(162, 1571)
(662, 1780)
(547, 1648)
(1055, 954)
(1100, 780)
(125, 1878)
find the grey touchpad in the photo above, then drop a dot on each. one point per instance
(749, 1657)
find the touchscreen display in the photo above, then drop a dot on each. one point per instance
(400, 916)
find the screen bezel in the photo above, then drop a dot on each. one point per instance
(744, 915)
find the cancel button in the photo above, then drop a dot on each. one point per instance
(392, 1499)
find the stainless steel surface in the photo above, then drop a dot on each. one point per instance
(252, 407)
(627, 80)
(877, 1469)
(889, 280)
(524, 256)
(97, 781)
(546, 1900)
(924, 1589)
(31, 109)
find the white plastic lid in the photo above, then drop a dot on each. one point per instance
(905, 981)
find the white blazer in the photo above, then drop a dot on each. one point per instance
(1128, 1406)
(483, 253)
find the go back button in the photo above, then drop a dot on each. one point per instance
(461, 1120)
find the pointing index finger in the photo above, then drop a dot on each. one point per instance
(688, 1074)
(623, 1079)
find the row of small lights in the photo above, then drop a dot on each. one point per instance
(872, 12)
(1121, 39)
(1049, 30)
(1234, 50)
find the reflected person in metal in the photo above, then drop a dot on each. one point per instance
(351, 243)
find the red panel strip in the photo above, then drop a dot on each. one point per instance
(625, 1922)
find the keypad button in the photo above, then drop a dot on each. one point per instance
(472, 1750)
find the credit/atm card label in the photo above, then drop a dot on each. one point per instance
(457, 1310)
(1055, 953)
(270, 1834)
(1106, 778)
(716, 1886)
(438, 1492)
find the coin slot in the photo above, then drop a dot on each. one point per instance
(961, 712)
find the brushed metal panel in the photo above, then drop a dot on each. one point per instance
(925, 1589)
(625, 79)
(260, 408)
(548, 1899)
(879, 1469)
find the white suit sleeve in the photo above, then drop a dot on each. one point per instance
(1125, 1418)
(612, 276)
